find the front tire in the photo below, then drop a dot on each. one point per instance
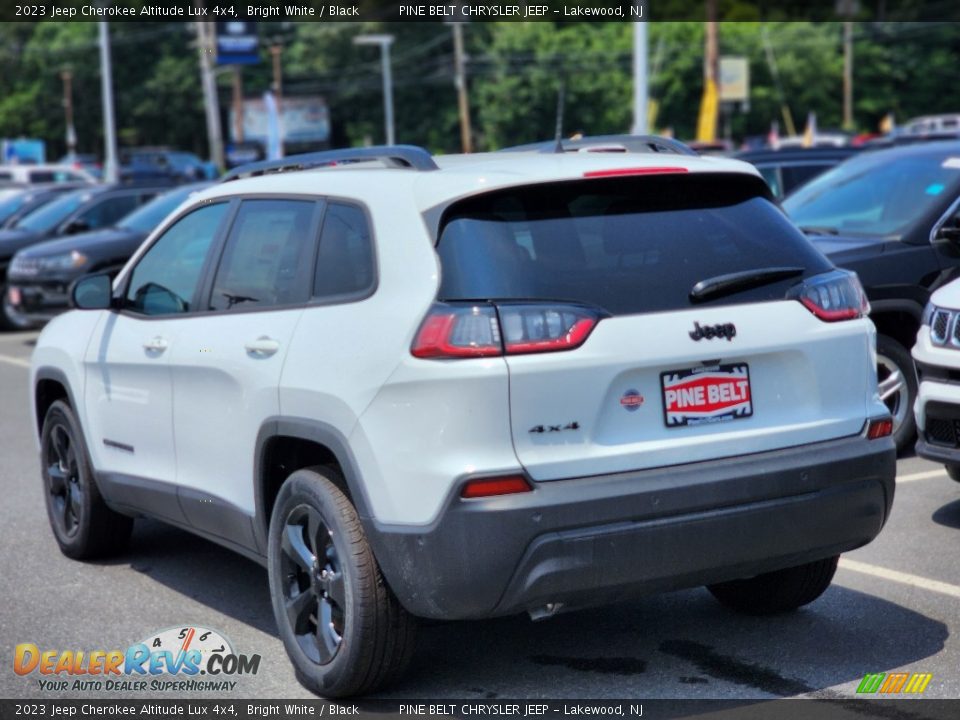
(953, 471)
(779, 591)
(343, 629)
(82, 524)
(897, 379)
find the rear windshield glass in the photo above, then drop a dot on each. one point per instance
(627, 245)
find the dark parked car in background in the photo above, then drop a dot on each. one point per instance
(16, 202)
(89, 208)
(893, 216)
(787, 169)
(39, 277)
(161, 164)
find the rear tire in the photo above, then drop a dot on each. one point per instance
(778, 591)
(82, 524)
(343, 629)
(893, 357)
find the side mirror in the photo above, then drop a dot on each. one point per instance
(93, 292)
(76, 226)
(949, 231)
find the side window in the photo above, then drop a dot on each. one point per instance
(345, 264)
(269, 245)
(166, 277)
(108, 211)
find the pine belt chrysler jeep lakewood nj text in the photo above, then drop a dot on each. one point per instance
(462, 387)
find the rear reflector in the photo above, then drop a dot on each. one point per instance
(621, 172)
(833, 296)
(488, 487)
(879, 429)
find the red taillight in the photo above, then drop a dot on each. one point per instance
(488, 487)
(879, 429)
(471, 331)
(834, 296)
(458, 332)
(621, 172)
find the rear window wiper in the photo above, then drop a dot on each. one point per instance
(818, 230)
(735, 282)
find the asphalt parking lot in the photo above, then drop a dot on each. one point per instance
(894, 605)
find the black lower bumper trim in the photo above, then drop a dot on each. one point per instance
(599, 539)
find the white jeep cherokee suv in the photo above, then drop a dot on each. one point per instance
(937, 357)
(463, 387)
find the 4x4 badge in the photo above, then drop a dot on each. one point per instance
(725, 330)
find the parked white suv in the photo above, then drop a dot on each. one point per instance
(465, 387)
(937, 357)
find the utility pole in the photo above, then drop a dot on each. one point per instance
(848, 123)
(275, 51)
(709, 105)
(640, 78)
(205, 48)
(237, 104)
(710, 50)
(71, 132)
(466, 135)
(110, 170)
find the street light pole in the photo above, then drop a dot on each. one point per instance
(384, 41)
(110, 170)
(640, 82)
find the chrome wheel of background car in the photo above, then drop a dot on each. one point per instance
(63, 480)
(314, 595)
(893, 390)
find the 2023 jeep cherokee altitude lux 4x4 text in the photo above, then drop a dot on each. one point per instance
(466, 387)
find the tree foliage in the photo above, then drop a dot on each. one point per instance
(515, 74)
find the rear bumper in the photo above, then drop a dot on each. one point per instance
(600, 539)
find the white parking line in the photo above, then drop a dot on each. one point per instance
(926, 475)
(14, 361)
(905, 578)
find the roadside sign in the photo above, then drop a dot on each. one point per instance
(734, 79)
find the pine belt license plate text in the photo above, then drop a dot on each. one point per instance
(709, 394)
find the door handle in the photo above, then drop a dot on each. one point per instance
(262, 346)
(157, 344)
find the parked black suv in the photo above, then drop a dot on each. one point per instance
(893, 216)
(787, 169)
(39, 276)
(75, 212)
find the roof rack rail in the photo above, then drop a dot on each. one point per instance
(609, 143)
(399, 156)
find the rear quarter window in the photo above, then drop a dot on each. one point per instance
(627, 245)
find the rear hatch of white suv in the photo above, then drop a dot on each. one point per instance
(650, 320)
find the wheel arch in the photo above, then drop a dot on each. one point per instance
(50, 384)
(285, 445)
